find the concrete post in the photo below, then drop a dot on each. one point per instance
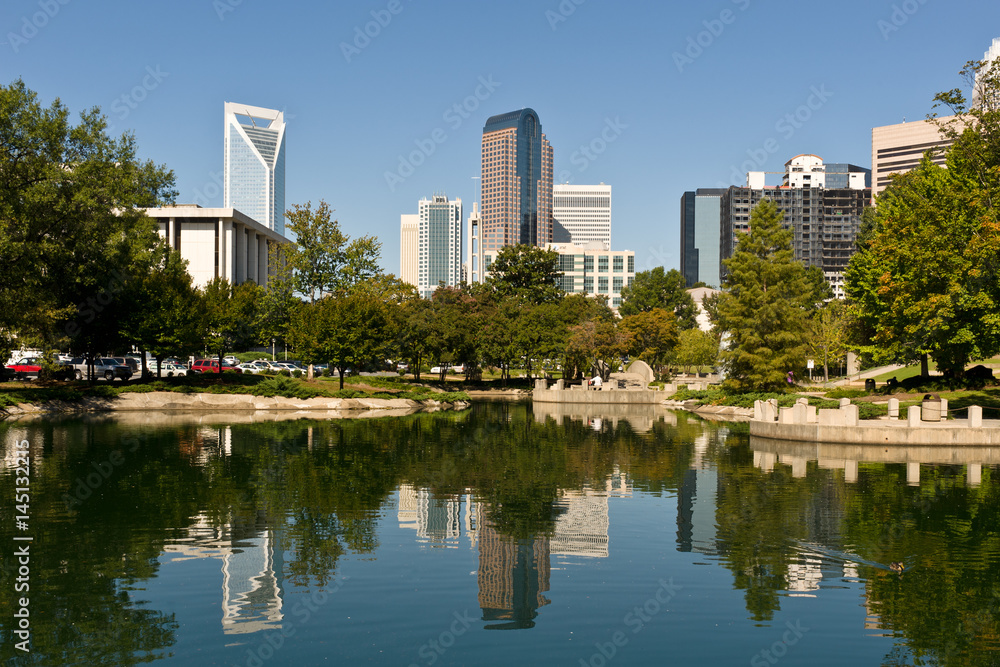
(844, 402)
(944, 409)
(786, 415)
(893, 408)
(811, 414)
(975, 416)
(851, 416)
(758, 410)
(560, 384)
(774, 405)
(913, 416)
(799, 413)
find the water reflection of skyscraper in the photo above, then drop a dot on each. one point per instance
(252, 572)
(513, 574)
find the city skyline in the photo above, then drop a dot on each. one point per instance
(648, 116)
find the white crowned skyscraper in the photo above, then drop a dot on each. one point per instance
(255, 164)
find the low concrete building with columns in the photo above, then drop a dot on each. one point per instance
(218, 242)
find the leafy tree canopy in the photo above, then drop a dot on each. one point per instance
(658, 288)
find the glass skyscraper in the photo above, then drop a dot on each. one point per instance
(516, 183)
(439, 258)
(255, 164)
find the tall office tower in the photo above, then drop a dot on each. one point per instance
(516, 184)
(990, 57)
(409, 247)
(701, 216)
(824, 220)
(896, 149)
(581, 213)
(472, 267)
(254, 170)
(439, 257)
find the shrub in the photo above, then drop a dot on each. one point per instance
(296, 373)
(846, 393)
(285, 373)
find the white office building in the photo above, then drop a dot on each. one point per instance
(581, 214)
(409, 243)
(439, 248)
(218, 242)
(595, 270)
(254, 169)
(473, 253)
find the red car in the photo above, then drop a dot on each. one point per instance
(25, 368)
(212, 366)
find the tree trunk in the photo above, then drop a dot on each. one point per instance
(924, 366)
(340, 370)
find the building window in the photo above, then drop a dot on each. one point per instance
(631, 265)
(617, 285)
(602, 264)
(602, 285)
(588, 285)
(619, 263)
(588, 263)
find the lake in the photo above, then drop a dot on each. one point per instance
(503, 534)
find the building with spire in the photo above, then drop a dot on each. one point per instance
(516, 196)
(254, 168)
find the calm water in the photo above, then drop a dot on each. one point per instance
(497, 536)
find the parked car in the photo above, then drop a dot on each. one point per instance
(25, 368)
(231, 360)
(253, 369)
(134, 364)
(436, 369)
(212, 366)
(172, 370)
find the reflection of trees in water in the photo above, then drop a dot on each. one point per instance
(947, 604)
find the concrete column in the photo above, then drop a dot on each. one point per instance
(913, 416)
(799, 413)
(263, 267)
(893, 408)
(251, 258)
(811, 417)
(975, 416)
(944, 409)
(850, 472)
(913, 474)
(786, 415)
(758, 411)
(844, 402)
(851, 417)
(560, 385)
(974, 474)
(171, 227)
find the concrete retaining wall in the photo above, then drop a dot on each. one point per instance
(870, 431)
(606, 396)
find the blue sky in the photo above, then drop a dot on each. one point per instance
(654, 98)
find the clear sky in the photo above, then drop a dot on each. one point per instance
(653, 98)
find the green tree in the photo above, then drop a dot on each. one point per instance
(658, 288)
(653, 335)
(696, 348)
(277, 299)
(166, 317)
(72, 219)
(925, 280)
(828, 333)
(349, 331)
(527, 271)
(230, 316)
(765, 307)
(324, 259)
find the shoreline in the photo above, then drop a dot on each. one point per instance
(168, 402)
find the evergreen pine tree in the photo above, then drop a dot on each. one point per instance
(764, 309)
